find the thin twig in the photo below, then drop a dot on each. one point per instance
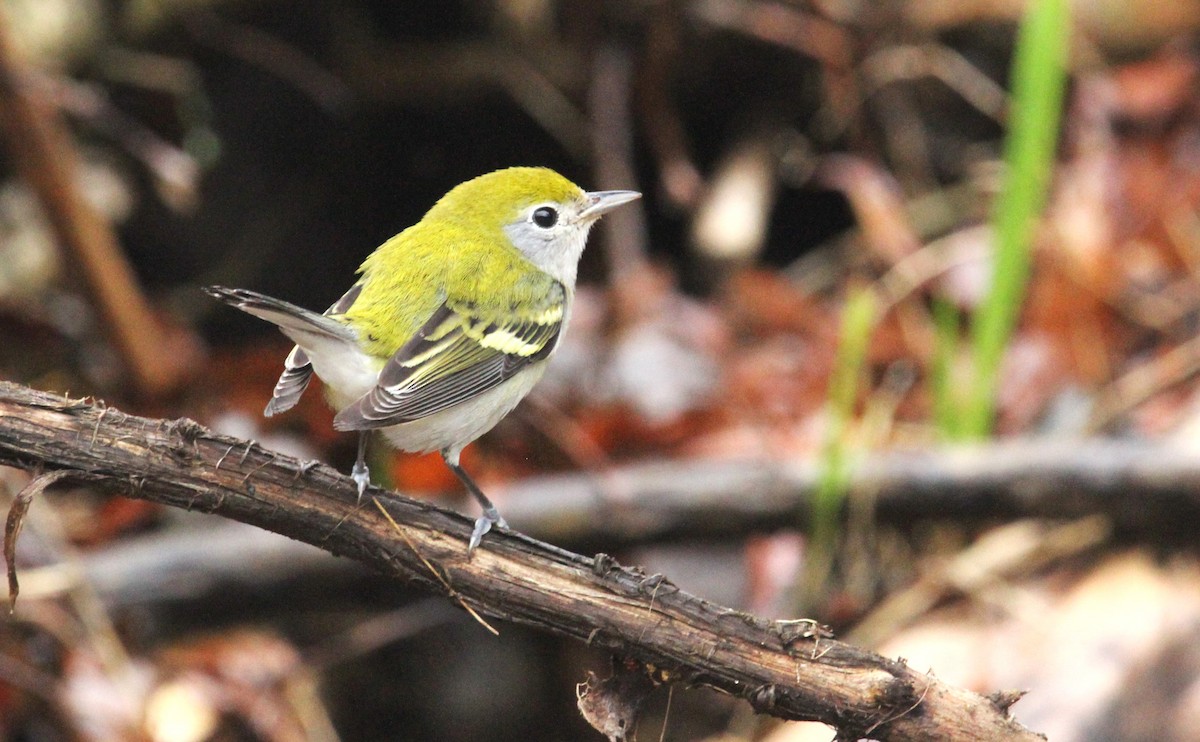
(438, 575)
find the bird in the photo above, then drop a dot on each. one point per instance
(449, 324)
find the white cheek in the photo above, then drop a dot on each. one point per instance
(555, 251)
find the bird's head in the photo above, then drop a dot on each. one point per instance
(538, 211)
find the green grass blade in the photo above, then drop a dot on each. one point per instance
(858, 321)
(1039, 76)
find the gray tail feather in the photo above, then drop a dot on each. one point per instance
(295, 322)
(299, 324)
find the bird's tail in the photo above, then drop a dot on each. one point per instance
(307, 328)
(312, 333)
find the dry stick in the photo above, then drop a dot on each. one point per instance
(1143, 487)
(982, 570)
(786, 668)
(1144, 381)
(42, 153)
(433, 571)
(15, 521)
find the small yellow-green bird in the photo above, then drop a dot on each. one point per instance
(451, 322)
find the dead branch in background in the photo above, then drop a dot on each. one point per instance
(1140, 486)
(43, 154)
(789, 669)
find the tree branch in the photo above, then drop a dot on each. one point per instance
(786, 668)
(1141, 486)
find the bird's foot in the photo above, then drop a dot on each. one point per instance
(361, 476)
(483, 524)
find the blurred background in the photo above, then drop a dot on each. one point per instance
(840, 264)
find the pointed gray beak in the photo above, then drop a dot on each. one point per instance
(602, 202)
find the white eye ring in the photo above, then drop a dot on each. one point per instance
(544, 216)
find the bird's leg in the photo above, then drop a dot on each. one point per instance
(360, 474)
(491, 516)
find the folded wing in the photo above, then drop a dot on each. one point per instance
(459, 353)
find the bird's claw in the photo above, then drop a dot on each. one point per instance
(483, 524)
(362, 477)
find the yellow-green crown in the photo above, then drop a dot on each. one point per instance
(493, 200)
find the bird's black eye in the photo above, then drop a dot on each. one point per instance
(545, 217)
